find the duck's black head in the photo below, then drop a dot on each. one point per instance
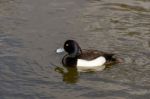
(72, 48)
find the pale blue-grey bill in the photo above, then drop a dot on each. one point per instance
(60, 50)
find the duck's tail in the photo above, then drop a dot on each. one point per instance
(111, 58)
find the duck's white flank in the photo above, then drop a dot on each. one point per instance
(94, 65)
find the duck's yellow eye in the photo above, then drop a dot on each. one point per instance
(67, 44)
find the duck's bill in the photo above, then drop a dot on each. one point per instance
(60, 50)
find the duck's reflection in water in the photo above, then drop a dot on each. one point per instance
(70, 76)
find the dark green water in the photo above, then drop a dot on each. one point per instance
(31, 31)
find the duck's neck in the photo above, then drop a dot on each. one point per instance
(77, 52)
(73, 55)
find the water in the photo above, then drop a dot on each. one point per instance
(31, 31)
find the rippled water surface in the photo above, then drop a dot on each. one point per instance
(31, 31)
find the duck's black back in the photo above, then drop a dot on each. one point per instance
(92, 54)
